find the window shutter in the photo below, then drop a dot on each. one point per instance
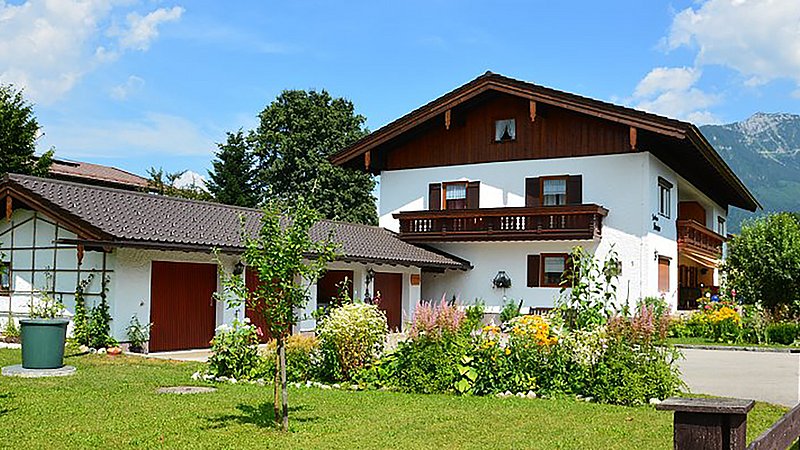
(532, 192)
(435, 196)
(533, 270)
(473, 194)
(575, 190)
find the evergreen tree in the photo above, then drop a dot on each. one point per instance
(18, 133)
(297, 134)
(232, 177)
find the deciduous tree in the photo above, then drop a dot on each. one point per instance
(19, 131)
(297, 133)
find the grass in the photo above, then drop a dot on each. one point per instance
(706, 341)
(111, 403)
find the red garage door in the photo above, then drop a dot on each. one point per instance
(390, 285)
(182, 309)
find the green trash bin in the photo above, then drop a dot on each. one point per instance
(43, 343)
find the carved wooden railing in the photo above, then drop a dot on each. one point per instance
(583, 222)
(717, 423)
(695, 236)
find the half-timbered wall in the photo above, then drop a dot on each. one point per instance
(553, 133)
(28, 242)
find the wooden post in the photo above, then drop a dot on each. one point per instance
(367, 160)
(633, 138)
(709, 423)
(9, 207)
(447, 119)
(532, 110)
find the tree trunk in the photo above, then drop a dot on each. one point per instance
(277, 383)
(284, 389)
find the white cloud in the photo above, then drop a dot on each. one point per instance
(671, 91)
(121, 92)
(142, 30)
(46, 46)
(758, 38)
(153, 134)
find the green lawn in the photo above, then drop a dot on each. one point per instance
(704, 341)
(111, 403)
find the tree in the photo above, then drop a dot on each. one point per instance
(763, 262)
(18, 133)
(286, 260)
(163, 183)
(232, 178)
(297, 133)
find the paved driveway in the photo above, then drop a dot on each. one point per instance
(766, 376)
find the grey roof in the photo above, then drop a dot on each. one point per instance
(118, 217)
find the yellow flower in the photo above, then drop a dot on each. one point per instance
(508, 351)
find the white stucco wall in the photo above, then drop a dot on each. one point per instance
(627, 185)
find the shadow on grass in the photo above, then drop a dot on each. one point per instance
(5, 400)
(262, 416)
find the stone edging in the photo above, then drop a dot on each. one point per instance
(734, 348)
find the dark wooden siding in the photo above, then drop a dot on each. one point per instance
(555, 133)
(390, 285)
(182, 309)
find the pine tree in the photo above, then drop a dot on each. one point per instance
(18, 133)
(232, 180)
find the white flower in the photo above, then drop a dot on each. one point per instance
(247, 320)
(196, 375)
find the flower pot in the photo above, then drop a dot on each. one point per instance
(43, 343)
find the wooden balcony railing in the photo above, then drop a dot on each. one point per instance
(573, 222)
(696, 237)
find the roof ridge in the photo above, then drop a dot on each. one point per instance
(14, 176)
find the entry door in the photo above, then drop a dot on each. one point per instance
(390, 285)
(182, 308)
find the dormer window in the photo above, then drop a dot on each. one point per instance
(505, 130)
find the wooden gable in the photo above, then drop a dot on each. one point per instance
(470, 138)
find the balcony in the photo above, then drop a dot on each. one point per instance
(573, 222)
(695, 237)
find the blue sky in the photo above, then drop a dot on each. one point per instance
(148, 83)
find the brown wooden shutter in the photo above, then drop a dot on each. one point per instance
(473, 194)
(532, 192)
(533, 270)
(575, 190)
(435, 196)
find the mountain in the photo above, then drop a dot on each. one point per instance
(190, 180)
(764, 151)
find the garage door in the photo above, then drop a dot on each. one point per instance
(182, 309)
(390, 285)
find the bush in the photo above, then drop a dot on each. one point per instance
(510, 310)
(234, 352)
(302, 359)
(783, 333)
(473, 316)
(763, 262)
(427, 364)
(351, 337)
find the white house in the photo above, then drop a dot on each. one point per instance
(511, 176)
(150, 256)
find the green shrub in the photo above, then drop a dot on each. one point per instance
(783, 333)
(473, 319)
(658, 306)
(427, 364)
(137, 334)
(351, 337)
(302, 359)
(510, 310)
(763, 261)
(234, 352)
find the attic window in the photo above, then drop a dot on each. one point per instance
(505, 130)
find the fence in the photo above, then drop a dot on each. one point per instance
(721, 424)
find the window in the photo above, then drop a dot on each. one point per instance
(455, 195)
(5, 276)
(553, 267)
(505, 130)
(554, 191)
(663, 274)
(664, 197)
(721, 225)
